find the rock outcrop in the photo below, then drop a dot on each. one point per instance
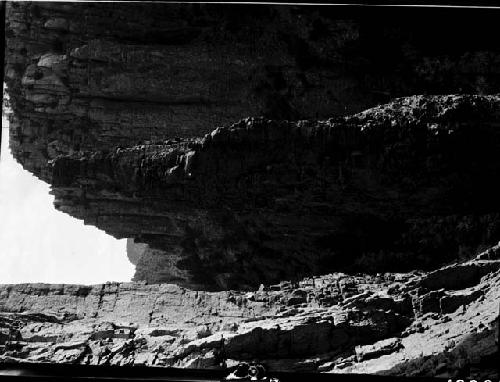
(391, 323)
(405, 185)
(98, 75)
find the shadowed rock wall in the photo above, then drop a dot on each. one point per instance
(99, 75)
(405, 185)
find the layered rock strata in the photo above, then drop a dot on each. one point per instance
(418, 324)
(404, 185)
(86, 76)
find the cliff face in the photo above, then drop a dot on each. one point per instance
(436, 324)
(97, 76)
(115, 119)
(404, 185)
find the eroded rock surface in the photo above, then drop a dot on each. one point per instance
(335, 323)
(87, 76)
(404, 185)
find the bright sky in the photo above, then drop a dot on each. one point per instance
(40, 244)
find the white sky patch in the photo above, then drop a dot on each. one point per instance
(40, 244)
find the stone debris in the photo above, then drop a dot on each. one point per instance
(167, 325)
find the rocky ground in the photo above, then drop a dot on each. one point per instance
(441, 323)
